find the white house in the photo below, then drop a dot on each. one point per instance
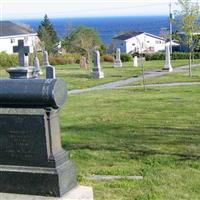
(139, 42)
(10, 33)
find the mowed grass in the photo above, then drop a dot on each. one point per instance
(155, 134)
(173, 77)
(80, 79)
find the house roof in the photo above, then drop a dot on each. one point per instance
(8, 28)
(129, 35)
(126, 36)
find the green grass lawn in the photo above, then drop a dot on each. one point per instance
(79, 79)
(173, 78)
(155, 134)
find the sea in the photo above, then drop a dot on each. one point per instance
(106, 27)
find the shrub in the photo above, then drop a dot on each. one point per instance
(108, 58)
(68, 58)
(7, 60)
(175, 56)
(155, 56)
(126, 57)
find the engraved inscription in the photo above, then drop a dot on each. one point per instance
(21, 142)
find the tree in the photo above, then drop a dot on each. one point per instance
(47, 34)
(82, 40)
(187, 21)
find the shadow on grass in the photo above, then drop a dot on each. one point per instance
(87, 76)
(139, 141)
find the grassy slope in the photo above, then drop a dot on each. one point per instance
(155, 134)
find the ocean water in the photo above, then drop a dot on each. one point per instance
(107, 27)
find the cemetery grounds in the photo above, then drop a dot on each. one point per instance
(132, 132)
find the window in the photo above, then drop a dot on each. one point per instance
(158, 42)
(26, 39)
(12, 40)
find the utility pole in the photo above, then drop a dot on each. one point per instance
(170, 25)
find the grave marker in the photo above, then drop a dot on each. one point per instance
(83, 62)
(118, 62)
(135, 61)
(96, 70)
(167, 66)
(32, 160)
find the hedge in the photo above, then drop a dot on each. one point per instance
(126, 57)
(7, 60)
(11, 60)
(175, 56)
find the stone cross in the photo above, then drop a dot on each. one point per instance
(167, 66)
(118, 62)
(97, 71)
(23, 52)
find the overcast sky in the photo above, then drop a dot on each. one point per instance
(16, 9)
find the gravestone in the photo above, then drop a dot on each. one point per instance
(83, 62)
(96, 70)
(23, 70)
(118, 62)
(50, 70)
(32, 160)
(135, 61)
(23, 52)
(167, 66)
(36, 63)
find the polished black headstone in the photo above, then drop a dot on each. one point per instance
(32, 160)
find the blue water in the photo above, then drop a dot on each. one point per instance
(107, 27)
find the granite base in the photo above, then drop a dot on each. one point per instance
(78, 193)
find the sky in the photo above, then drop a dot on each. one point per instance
(20, 9)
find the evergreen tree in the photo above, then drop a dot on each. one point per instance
(47, 34)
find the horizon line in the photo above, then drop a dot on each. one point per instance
(78, 17)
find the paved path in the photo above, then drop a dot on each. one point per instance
(120, 83)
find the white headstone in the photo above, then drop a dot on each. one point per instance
(96, 70)
(45, 58)
(167, 65)
(135, 61)
(50, 70)
(118, 62)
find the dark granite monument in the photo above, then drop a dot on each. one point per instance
(32, 160)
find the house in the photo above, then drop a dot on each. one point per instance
(10, 33)
(139, 42)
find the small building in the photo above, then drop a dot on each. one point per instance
(139, 42)
(10, 33)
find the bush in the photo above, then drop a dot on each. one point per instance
(68, 58)
(175, 56)
(155, 56)
(126, 57)
(108, 58)
(7, 60)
